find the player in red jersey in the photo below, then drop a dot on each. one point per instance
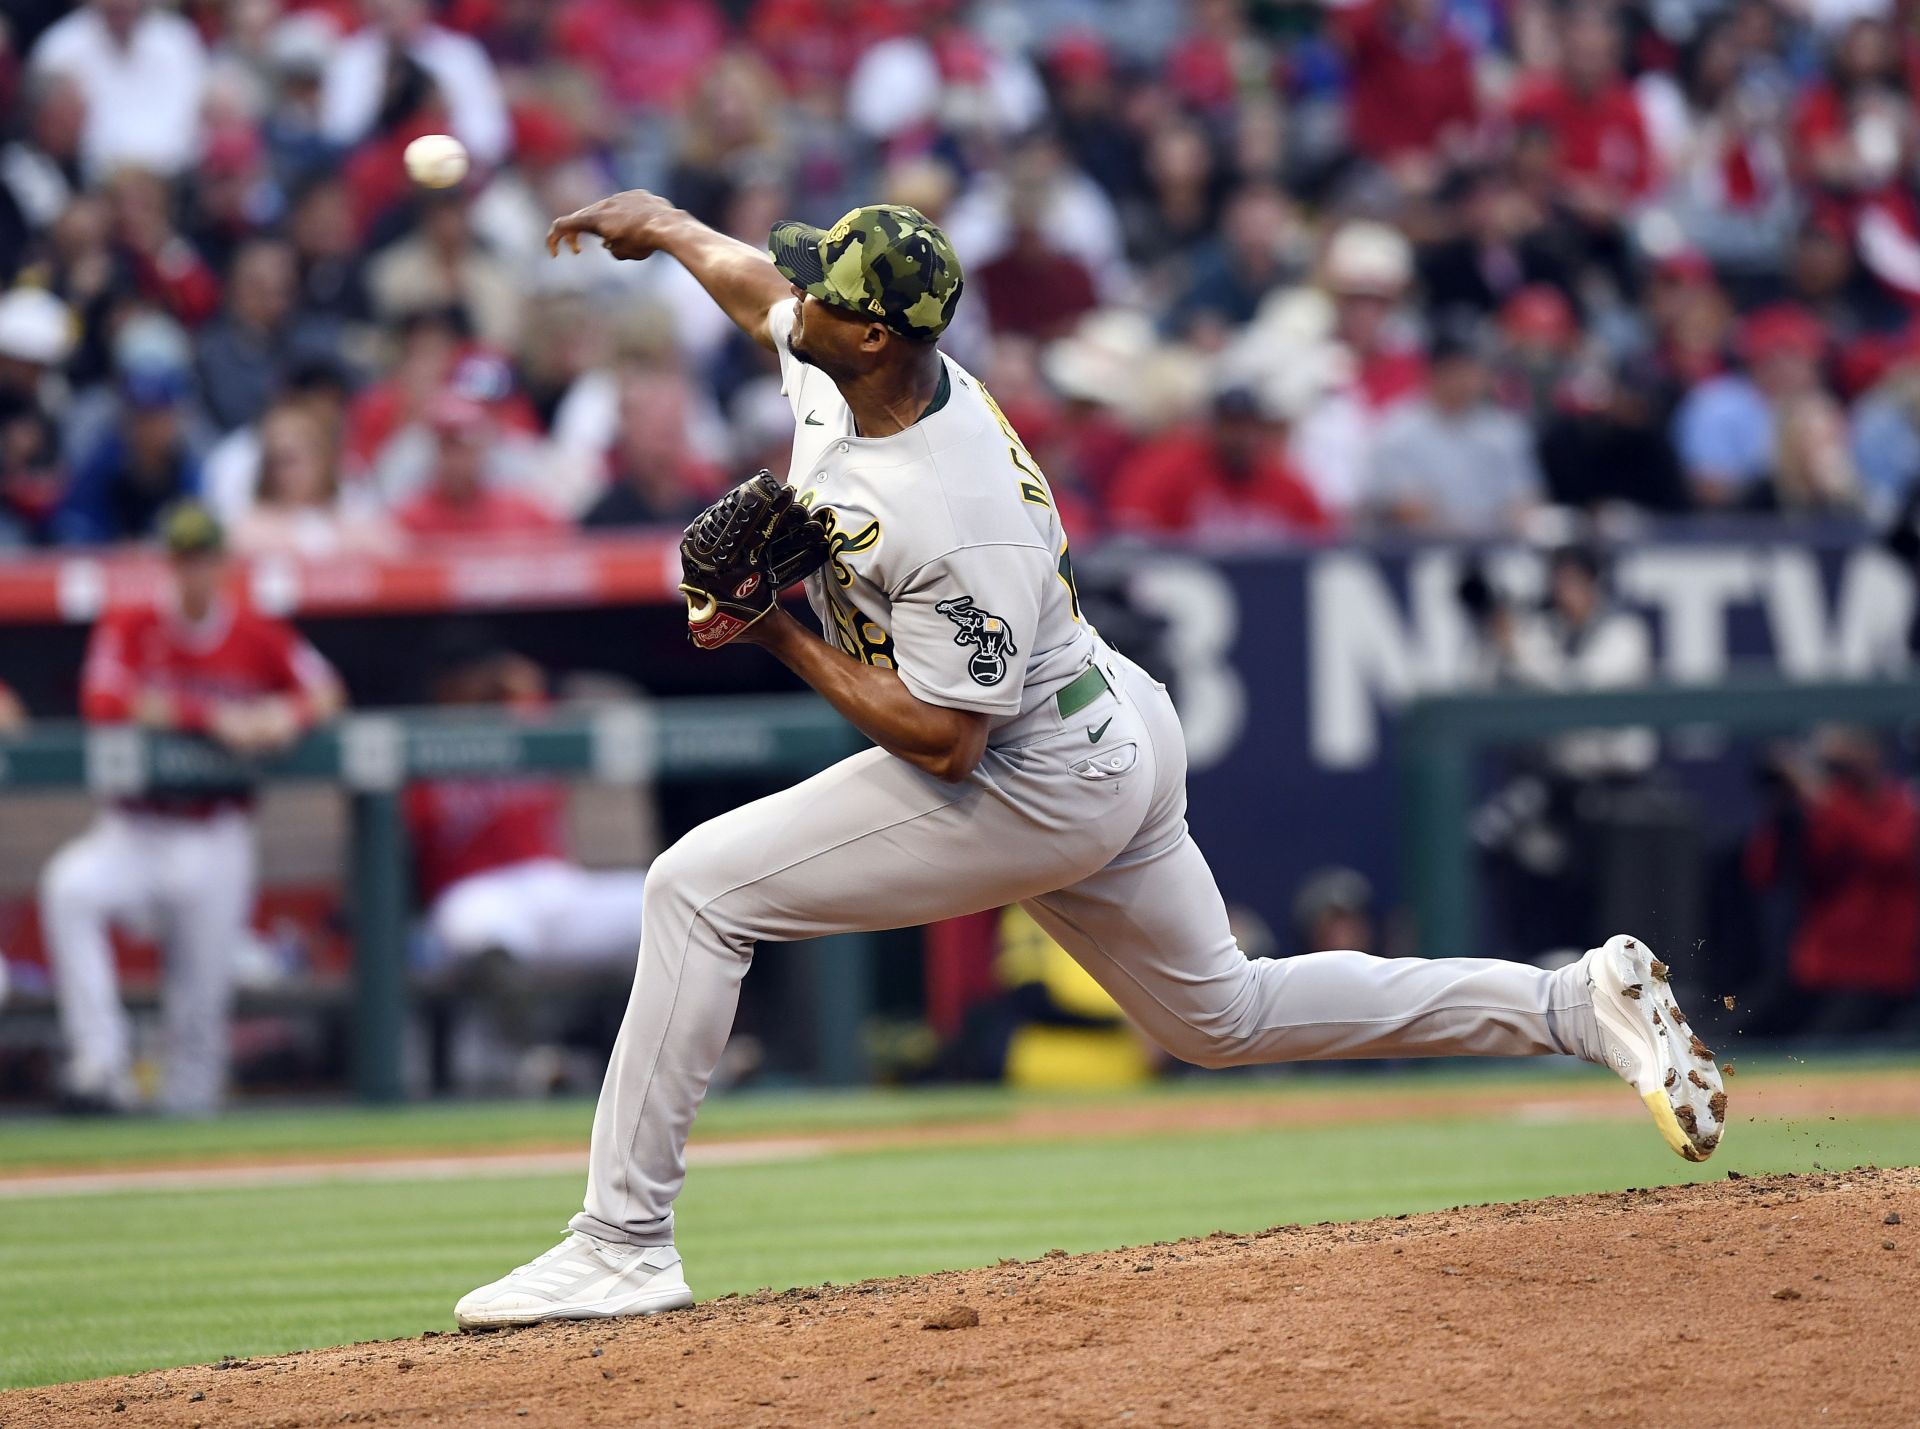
(179, 865)
(495, 869)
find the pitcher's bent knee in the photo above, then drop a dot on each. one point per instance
(679, 879)
(682, 886)
(1211, 1045)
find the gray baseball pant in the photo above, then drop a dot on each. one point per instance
(1090, 837)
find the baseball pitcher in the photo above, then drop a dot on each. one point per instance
(1018, 759)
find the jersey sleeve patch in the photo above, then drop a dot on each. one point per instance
(964, 626)
(986, 632)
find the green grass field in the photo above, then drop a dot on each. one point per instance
(112, 1282)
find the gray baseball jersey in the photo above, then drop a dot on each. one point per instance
(948, 562)
(949, 566)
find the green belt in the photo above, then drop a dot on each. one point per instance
(1081, 691)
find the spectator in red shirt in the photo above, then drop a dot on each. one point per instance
(164, 267)
(200, 662)
(648, 54)
(1409, 81)
(231, 192)
(1221, 59)
(374, 171)
(430, 343)
(1865, 80)
(1228, 476)
(1605, 153)
(1034, 288)
(458, 501)
(1855, 139)
(494, 868)
(1846, 836)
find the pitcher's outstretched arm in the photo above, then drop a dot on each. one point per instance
(636, 224)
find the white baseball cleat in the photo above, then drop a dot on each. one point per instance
(1645, 1038)
(582, 1278)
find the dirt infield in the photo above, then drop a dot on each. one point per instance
(1754, 1302)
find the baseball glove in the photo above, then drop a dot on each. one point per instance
(740, 553)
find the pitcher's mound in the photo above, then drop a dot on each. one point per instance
(1755, 1302)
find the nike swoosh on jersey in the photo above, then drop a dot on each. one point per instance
(813, 421)
(1093, 735)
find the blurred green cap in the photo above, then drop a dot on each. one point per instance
(188, 528)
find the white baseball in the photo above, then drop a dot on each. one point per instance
(436, 161)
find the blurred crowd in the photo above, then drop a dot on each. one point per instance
(1266, 269)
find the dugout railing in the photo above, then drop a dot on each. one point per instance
(373, 756)
(1440, 736)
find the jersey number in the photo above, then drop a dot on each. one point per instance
(858, 634)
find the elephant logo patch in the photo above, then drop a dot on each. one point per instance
(987, 633)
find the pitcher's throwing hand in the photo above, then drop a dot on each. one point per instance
(628, 224)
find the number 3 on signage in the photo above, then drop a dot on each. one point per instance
(1202, 617)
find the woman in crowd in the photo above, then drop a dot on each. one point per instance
(301, 508)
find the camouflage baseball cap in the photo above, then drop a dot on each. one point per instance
(885, 259)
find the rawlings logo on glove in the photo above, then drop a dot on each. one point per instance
(740, 553)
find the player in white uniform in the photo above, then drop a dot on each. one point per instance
(1019, 759)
